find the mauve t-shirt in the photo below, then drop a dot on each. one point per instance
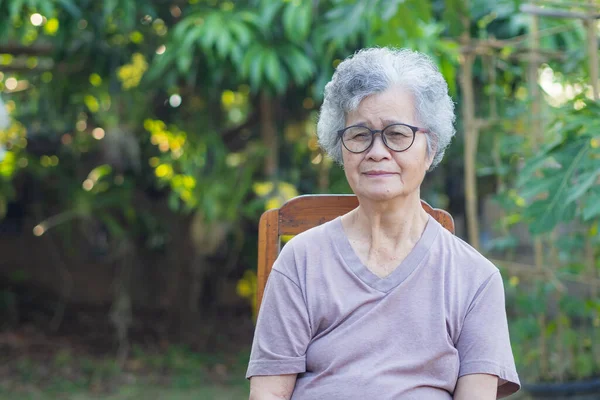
(349, 334)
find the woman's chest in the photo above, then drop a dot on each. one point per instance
(386, 341)
(381, 261)
(407, 321)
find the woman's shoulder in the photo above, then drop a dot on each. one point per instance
(300, 246)
(465, 258)
(312, 237)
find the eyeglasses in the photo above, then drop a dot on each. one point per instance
(397, 137)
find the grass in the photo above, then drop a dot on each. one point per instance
(212, 392)
(175, 374)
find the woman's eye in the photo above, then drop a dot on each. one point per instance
(359, 136)
(396, 133)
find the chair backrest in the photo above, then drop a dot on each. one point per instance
(302, 213)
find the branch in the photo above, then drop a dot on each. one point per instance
(554, 13)
(532, 270)
(42, 49)
(566, 4)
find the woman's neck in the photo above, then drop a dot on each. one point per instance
(401, 220)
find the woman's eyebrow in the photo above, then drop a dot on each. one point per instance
(390, 121)
(384, 121)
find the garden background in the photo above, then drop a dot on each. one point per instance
(140, 141)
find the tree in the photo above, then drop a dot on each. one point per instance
(119, 105)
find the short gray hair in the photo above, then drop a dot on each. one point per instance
(374, 70)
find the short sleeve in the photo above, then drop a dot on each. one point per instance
(484, 343)
(282, 330)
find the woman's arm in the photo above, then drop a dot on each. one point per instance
(274, 387)
(476, 387)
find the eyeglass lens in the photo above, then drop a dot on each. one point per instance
(397, 137)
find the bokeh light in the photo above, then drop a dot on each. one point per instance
(66, 139)
(87, 185)
(11, 83)
(36, 19)
(175, 100)
(98, 133)
(39, 230)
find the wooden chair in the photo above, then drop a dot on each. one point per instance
(302, 213)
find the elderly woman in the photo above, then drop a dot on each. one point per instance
(383, 302)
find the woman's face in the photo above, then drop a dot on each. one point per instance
(380, 174)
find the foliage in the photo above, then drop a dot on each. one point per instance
(554, 334)
(562, 182)
(554, 313)
(122, 107)
(560, 186)
(547, 185)
(127, 100)
(173, 372)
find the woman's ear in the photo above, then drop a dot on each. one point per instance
(429, 161)
(432, 150)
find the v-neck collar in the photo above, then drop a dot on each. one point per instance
(403, 271)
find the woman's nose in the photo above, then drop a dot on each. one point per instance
(378, 149)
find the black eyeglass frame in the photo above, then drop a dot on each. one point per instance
(414, 130)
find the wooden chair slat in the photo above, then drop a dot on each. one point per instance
(302, 213)
(268, 249)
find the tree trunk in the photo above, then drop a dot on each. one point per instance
(268, 133)
(470, 151)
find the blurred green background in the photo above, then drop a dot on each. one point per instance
(140, 141)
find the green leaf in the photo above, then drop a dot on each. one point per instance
(47, 8)
(585, 182)
(249, 57)
(591, 207)
(267, 13)
(454, 11)
(129, 12)
(241, 31)
(272, 67)
(390, 8)
(304, 20)
(545, 214)
(184, 61)
(224, 42)
(159, 65)
(109, 8)
(213, 27)
(540, 185)
(297, 20)
(14, 8)
(179, 31)
(236, 55)
(299, 64)
(251, 18)
(422, 9)
(256, 70)
(529, 171)
(100, 171)
(407, 20)
(449, 72)
(289, 21)
(190, 37)
(540, 220)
